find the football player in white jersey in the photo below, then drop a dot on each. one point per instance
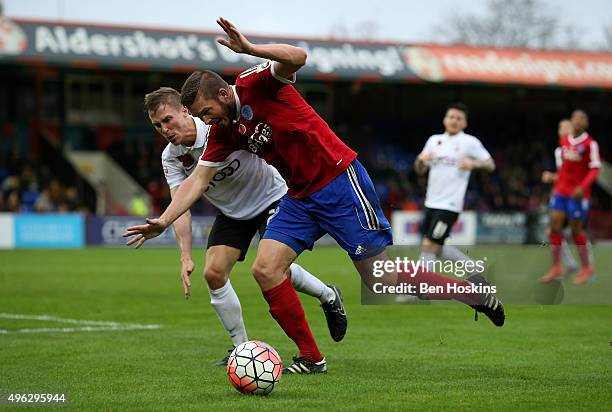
(450, 158)
(246, 190)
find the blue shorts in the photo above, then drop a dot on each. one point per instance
(575, 209)
(347, 208)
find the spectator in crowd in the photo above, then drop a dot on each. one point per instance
(25, 189)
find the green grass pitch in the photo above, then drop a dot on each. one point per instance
(409, 357)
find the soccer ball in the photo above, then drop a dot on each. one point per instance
(254, 368)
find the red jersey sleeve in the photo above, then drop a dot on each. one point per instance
(263, 78)
(594, 160)
(218, 147)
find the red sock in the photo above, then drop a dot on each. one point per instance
(582, 244)
(286, 308)
(434, 279)
(555, 239)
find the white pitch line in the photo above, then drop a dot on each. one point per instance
(101, 325)
(84, 329)
(56, 319)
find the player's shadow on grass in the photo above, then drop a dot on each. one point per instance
(550, 293)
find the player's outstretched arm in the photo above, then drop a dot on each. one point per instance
(586, 183)
(488, 165)
(182, 230)
(549, 177)
(186, 195)
(420, 164)
(288, 59)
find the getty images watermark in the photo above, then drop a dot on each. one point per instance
(458, 268)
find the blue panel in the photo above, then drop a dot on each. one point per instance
(49, 231)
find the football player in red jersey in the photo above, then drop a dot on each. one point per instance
(329, 190)
(578, 171)
(246, 191)
(567, 259)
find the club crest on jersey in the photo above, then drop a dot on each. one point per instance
(246, 112)
(261, 136)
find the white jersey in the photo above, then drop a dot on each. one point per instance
(447, 183)
(243, 186)
(558, 157)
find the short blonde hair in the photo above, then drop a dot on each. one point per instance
(162, 96)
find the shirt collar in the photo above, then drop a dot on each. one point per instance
(237, 99)
(200, 133)
(577, 140)
(448, 136)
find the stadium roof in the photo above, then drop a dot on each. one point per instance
(137, 48)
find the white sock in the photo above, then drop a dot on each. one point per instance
(428, 259)
(454, 254)
(227, 305)
(566, 256)
(305, 282)
(589, 246)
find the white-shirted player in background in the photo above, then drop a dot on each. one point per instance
(246, 190)
(450, 158)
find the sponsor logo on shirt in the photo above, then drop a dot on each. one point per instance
(261, 136)
(572, 154)
(221, 174)
(445, 160)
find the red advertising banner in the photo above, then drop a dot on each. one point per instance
(488, 65)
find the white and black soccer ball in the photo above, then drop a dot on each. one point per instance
(254, 368)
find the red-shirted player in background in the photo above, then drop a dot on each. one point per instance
(567, 259)
(572, 196)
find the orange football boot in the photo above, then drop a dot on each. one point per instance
(585, 274)
(555, 272)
